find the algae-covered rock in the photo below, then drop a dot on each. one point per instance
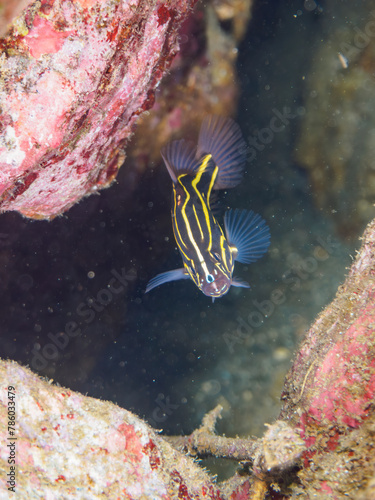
(329, 392)
(74, 77)
(66, 445)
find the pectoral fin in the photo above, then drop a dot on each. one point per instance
(240, 283)
(159, 279)
(248, 233)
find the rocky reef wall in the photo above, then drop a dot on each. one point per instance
(74, 78)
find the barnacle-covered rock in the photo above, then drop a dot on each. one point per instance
(74, 78)
(279, 449)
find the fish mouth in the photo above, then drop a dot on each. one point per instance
(217, 288)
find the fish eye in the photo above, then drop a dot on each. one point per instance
(217, 257)
(210, 278)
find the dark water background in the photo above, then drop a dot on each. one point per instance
(172, 355)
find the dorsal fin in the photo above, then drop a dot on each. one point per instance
(205, 176)
(222, 138)
(179, 158)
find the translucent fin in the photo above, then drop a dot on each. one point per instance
(222, 138)
(248, 232)
(215, 204)
(176, 274)
(241, 283)
(179, 158)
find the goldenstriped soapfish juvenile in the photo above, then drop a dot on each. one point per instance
(209, 253)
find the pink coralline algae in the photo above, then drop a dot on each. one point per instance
(335, 366)
(71, 446)
(74, 78)
(329, 393)
(346, 391)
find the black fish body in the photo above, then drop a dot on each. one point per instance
(207, 252)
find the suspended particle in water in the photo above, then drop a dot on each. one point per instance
(310, 5)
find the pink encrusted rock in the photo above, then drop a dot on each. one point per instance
(74, 78)
(71, 446)
(333, 375)
(329, 392)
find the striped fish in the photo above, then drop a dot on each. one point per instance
(208, 252)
